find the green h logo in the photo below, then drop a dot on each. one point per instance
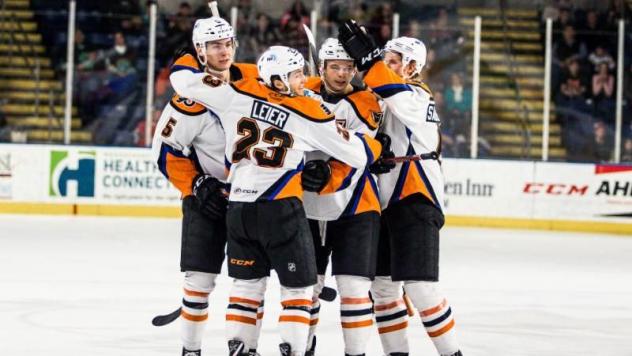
(78, 168)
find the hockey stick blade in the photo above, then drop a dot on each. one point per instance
(162, 320)
(312, 48)
(328, 294)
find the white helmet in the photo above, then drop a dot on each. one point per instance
(332, 49)
(279, 61)
(210, 29)
(410, 49)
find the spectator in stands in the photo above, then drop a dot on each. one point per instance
(564, 20)
(457, 97)
(380, 23)
(85, 55)
(602, 93)
(602, 144)
(262, 36)
(577, 126)
(569, 47)
(457, 113)
(592, 36)
(599, 56)
(179, 27)
(414, 29)
(292, 23)
(126, 15)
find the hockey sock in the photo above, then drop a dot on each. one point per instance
(315, 310)
(295, 316)
(435, 313)
(242, 321)
(259, 325)
(356, 314)
(391, 315)
(197, 287)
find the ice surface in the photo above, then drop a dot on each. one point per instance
(90, 286)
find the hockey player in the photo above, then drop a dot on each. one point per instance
(268, 128)
(348, 209)
(411, 194)
(189, 147)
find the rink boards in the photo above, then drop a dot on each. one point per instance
(84, 180)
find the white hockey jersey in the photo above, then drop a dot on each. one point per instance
(412, 123)
(350, 191)
(268, 133)
(189, 140)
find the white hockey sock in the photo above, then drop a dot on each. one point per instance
(391, 315)
(197, 287)
(242, 322)
(435, 313)
(295, 317)
(356, 315)
(315, 310)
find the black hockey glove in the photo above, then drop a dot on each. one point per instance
(383, 164)
(359, 45)
(210, 196)
(315, 175)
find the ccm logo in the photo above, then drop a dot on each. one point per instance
(554, 189)
(245, 263)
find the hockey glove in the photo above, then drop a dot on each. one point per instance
(359, 45)
(210, 197)
(383, 164)
(315, 175)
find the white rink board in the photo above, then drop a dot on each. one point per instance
(474, 188)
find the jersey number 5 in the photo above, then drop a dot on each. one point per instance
(273, 156)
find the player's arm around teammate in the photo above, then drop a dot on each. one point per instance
(268, 129)
(411, 194)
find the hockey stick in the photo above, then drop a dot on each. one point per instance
(312, 50)
(162, 320)
(213, 6)
(421, 157)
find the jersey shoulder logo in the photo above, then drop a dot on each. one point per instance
(430, 114)
(377, 117)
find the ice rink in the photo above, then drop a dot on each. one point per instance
(90, 286)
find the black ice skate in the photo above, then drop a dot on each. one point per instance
(312, 350)
(186, 352)
(458, 353)
(253, 352)
(286, 349)
(236, 348)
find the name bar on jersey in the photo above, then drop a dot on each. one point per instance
(265, 112)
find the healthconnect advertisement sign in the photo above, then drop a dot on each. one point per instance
(86, 175)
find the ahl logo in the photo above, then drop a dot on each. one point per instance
(291, 266)
(74, 167)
